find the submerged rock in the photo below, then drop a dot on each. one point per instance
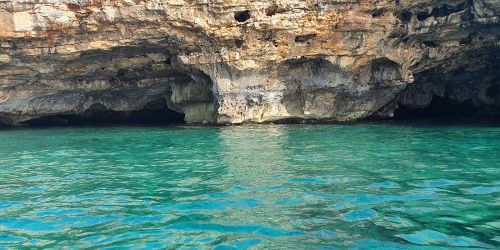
(248, 61)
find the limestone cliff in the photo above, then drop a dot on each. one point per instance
(235, 61)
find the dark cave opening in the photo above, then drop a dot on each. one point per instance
(153, 113)
(468, 89)
(445, 109)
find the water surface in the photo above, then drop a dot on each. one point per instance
(302, 187)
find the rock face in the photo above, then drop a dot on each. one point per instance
(235, 61)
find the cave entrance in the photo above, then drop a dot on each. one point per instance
(467, 90)
(440, 108)
(153, 113)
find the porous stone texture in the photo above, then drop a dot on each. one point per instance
(235, 61)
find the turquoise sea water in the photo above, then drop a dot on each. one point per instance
(259, 187)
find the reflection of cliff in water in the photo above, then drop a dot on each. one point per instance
(256, 160)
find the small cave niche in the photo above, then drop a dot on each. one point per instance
(430, 44)
(310, 82)
(238, 43)
(274, 9)
(379, 72)
(242, 16)
(305, 38)
(377, 13)
(405, 16)
(384, 69)
(74, 7)
(304, 66)
(153, 113)
(271, 11)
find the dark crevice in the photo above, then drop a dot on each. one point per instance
(269, 35)
(466, 40)
(153, 113)
(421, 16)
(271, 11)
(430, 44)
(378, 13)
(405, 16)
(305, 38)
(238, 43)
(303, 64)
(443, 10)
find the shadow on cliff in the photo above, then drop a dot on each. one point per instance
(138, 84)
(153, 113)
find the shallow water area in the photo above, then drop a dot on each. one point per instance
(377, 185)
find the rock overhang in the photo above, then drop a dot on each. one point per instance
(354, 59)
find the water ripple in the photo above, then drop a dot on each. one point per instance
(377, 186)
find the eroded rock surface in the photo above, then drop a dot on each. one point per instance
(236, 61)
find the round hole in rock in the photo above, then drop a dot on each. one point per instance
(242, 16)
(153, 113)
